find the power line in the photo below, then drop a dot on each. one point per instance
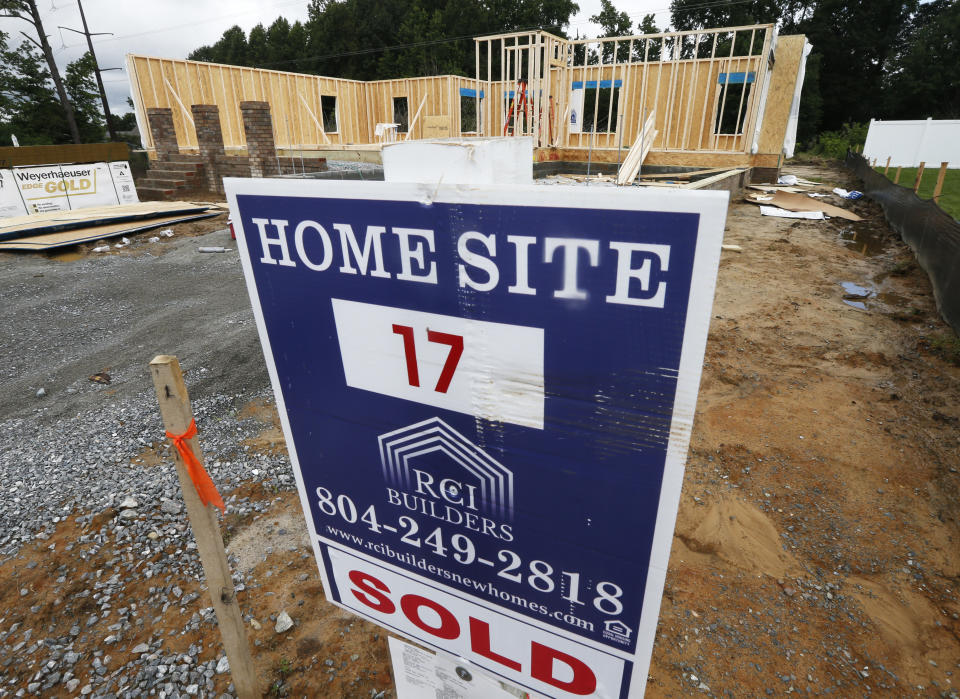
(186, 25)
(96, 68)
(448, 40)
(689, 8)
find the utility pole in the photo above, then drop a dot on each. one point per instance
(97, 71)
(28, 12)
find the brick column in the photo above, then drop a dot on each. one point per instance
(258, 130)
(206, 120)
(162, 131)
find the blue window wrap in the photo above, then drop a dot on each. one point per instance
(736, 78)
(592, 84)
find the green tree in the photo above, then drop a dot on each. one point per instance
(374, 39)
(922, 80)
(81, 84)
(26, 10)
(231, 48)
(613, 23)
(424, 51)
(856, 42)
(257, 51)
(29, 107)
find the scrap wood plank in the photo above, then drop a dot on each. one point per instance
(700, 184)
(628, 172)
(776, 188)
(49, 241)
(413, 124)
(50, 222)
(681, 175)
(638, 151)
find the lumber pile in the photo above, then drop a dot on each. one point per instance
(638, 152)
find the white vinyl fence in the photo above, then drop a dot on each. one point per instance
(908, 143)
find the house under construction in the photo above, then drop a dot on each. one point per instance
(709, 98)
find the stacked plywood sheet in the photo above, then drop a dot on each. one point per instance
(60, 228)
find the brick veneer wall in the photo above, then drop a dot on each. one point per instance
(258, 131)
(261, 159)
(162, 130)
(206, 121)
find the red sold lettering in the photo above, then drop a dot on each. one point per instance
(545, 662)
(370, 587)
(480, 644)
(449, 628)
(541, 667)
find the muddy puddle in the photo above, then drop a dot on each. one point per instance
(856, 295)
(868, 243)
(867, 296)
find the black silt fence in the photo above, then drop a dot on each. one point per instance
(932, 234)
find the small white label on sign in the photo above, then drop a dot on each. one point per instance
(123, 182)
(489, 370)
(418, 673)
(529, 656)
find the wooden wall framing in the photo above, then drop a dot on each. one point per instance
(684, 78)
(687, 79)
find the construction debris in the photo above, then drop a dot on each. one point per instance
(638, 151)
(799, 203)
(783, 213)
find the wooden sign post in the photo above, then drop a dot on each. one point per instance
(177, 416)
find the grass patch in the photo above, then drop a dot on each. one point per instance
(945, 345)
(949, 198)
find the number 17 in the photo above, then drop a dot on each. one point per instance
(410, 352)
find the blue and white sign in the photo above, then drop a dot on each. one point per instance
(487, 394)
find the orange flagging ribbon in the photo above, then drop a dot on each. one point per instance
(201, 479)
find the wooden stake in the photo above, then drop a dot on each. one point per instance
(916, 184)
(177, 415)
(896, 179)
(888, 166)
(939, 186)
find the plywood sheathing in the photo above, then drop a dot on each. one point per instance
(783, 81)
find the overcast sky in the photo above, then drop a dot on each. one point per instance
(174, 28)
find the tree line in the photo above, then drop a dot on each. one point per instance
(883, 59)
(38, 106)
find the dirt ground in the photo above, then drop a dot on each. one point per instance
(817, 548)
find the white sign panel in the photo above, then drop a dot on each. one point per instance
(418, 673)
(10, 202)
(469, 364)
(35, 190)
(65, 187)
